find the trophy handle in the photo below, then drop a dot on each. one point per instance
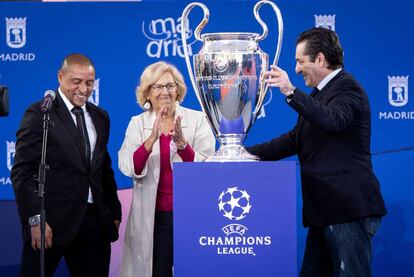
(197, 34)
(263, 36)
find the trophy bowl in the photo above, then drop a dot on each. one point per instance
(228, 80)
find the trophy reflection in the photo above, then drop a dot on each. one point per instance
(228, 81)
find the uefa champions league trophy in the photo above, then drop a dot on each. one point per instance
(229, 81)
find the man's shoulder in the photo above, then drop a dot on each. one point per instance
(34, 107)
(345, 79)
(93, 108)
(345, 76)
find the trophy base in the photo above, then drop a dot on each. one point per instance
(232, 153)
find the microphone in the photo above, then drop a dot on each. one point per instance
(46, 105)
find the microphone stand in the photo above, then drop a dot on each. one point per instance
(41, 190)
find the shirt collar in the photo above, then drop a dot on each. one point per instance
(327, 78)
(68, 104)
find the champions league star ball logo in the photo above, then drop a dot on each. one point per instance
(234, 203)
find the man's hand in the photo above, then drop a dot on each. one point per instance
(35, 233)
(117, 223)
(277, 77)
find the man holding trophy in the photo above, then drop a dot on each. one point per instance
(342, 202)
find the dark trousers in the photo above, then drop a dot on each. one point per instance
(162, 264)
(340, 250)
(88, 254)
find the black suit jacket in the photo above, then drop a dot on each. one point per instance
(69, 175)
(332, 140)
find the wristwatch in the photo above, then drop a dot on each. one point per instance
(34, 220)
(290, 95)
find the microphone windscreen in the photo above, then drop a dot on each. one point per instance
(50, 93)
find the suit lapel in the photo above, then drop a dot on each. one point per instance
(317, 96)
(99, 130)
(326, 88)
(301, 119)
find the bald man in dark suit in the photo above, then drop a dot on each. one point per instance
(82, 207)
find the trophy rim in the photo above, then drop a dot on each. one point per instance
(229, 35)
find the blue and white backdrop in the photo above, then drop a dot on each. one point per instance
(123, 38)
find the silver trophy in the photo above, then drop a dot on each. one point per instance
(229, 80)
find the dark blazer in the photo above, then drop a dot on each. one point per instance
(332, 140)
(69, 175)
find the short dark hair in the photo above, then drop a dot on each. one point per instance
(325, 41)
(76, 59)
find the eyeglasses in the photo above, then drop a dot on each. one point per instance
(170, 87)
